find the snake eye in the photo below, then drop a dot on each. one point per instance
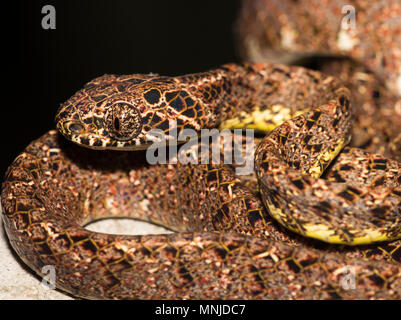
(123, 121)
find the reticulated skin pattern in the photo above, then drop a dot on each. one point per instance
(229, 243)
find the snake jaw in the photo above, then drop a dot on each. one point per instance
(94, 131)
(92, 137)
(101, 142)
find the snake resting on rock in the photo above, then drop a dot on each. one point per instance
(298, 241)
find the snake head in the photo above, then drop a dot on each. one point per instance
(122, 112)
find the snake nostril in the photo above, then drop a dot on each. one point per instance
(75, 127)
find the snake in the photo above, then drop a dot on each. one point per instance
(322, 208)
(356, 41)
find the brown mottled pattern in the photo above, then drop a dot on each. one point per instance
(54, 188)
(309, 27)
(183, 265)
(377, 111)
(195, 101)
(268, 30)
(362, 187)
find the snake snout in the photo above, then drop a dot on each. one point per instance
(70, 128)
(75, 127)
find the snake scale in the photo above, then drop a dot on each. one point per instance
(229, 242)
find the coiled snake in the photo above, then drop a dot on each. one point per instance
(54, 188)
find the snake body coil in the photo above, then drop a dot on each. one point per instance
(54, 188)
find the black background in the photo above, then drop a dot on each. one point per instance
(97, 37)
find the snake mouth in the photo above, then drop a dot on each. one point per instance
(76, 132)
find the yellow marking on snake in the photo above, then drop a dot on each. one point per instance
(324, 232)
(265, 120)
(316, 170)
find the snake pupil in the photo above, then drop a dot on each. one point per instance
(122, 121)
(116, 124)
